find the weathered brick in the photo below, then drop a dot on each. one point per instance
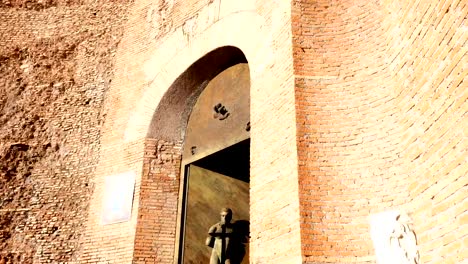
(356, 107)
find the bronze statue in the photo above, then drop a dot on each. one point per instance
(227, 240)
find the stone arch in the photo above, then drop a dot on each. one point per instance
(133, 99)
(242, 29)
(159, 188)
(171, 115)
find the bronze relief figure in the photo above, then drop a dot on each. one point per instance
(227, 239)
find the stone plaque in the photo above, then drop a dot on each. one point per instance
(118, 198)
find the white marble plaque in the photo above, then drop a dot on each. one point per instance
(118, 198)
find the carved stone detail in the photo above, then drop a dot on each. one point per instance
(189, 27)
(213, 11)
(393, 238)
(158, 16)
(207, 16)
(403, 240)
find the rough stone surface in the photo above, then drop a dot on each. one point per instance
(55, 66)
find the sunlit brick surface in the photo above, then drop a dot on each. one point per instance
(357, 107)
(381, 97)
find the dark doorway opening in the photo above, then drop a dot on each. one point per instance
(233, 161)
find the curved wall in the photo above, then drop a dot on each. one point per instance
(372, 93)
(380, 96)
(431, 94)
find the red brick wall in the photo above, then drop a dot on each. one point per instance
(379, 100)
(156, 230)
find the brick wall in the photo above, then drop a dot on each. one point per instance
(431, 92)
(55, 66)
(156, 230)
(379, 97)
(366, 115)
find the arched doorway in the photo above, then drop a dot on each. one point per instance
(201, 124)
(216, 157)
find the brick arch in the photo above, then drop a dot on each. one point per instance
(156, 236)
